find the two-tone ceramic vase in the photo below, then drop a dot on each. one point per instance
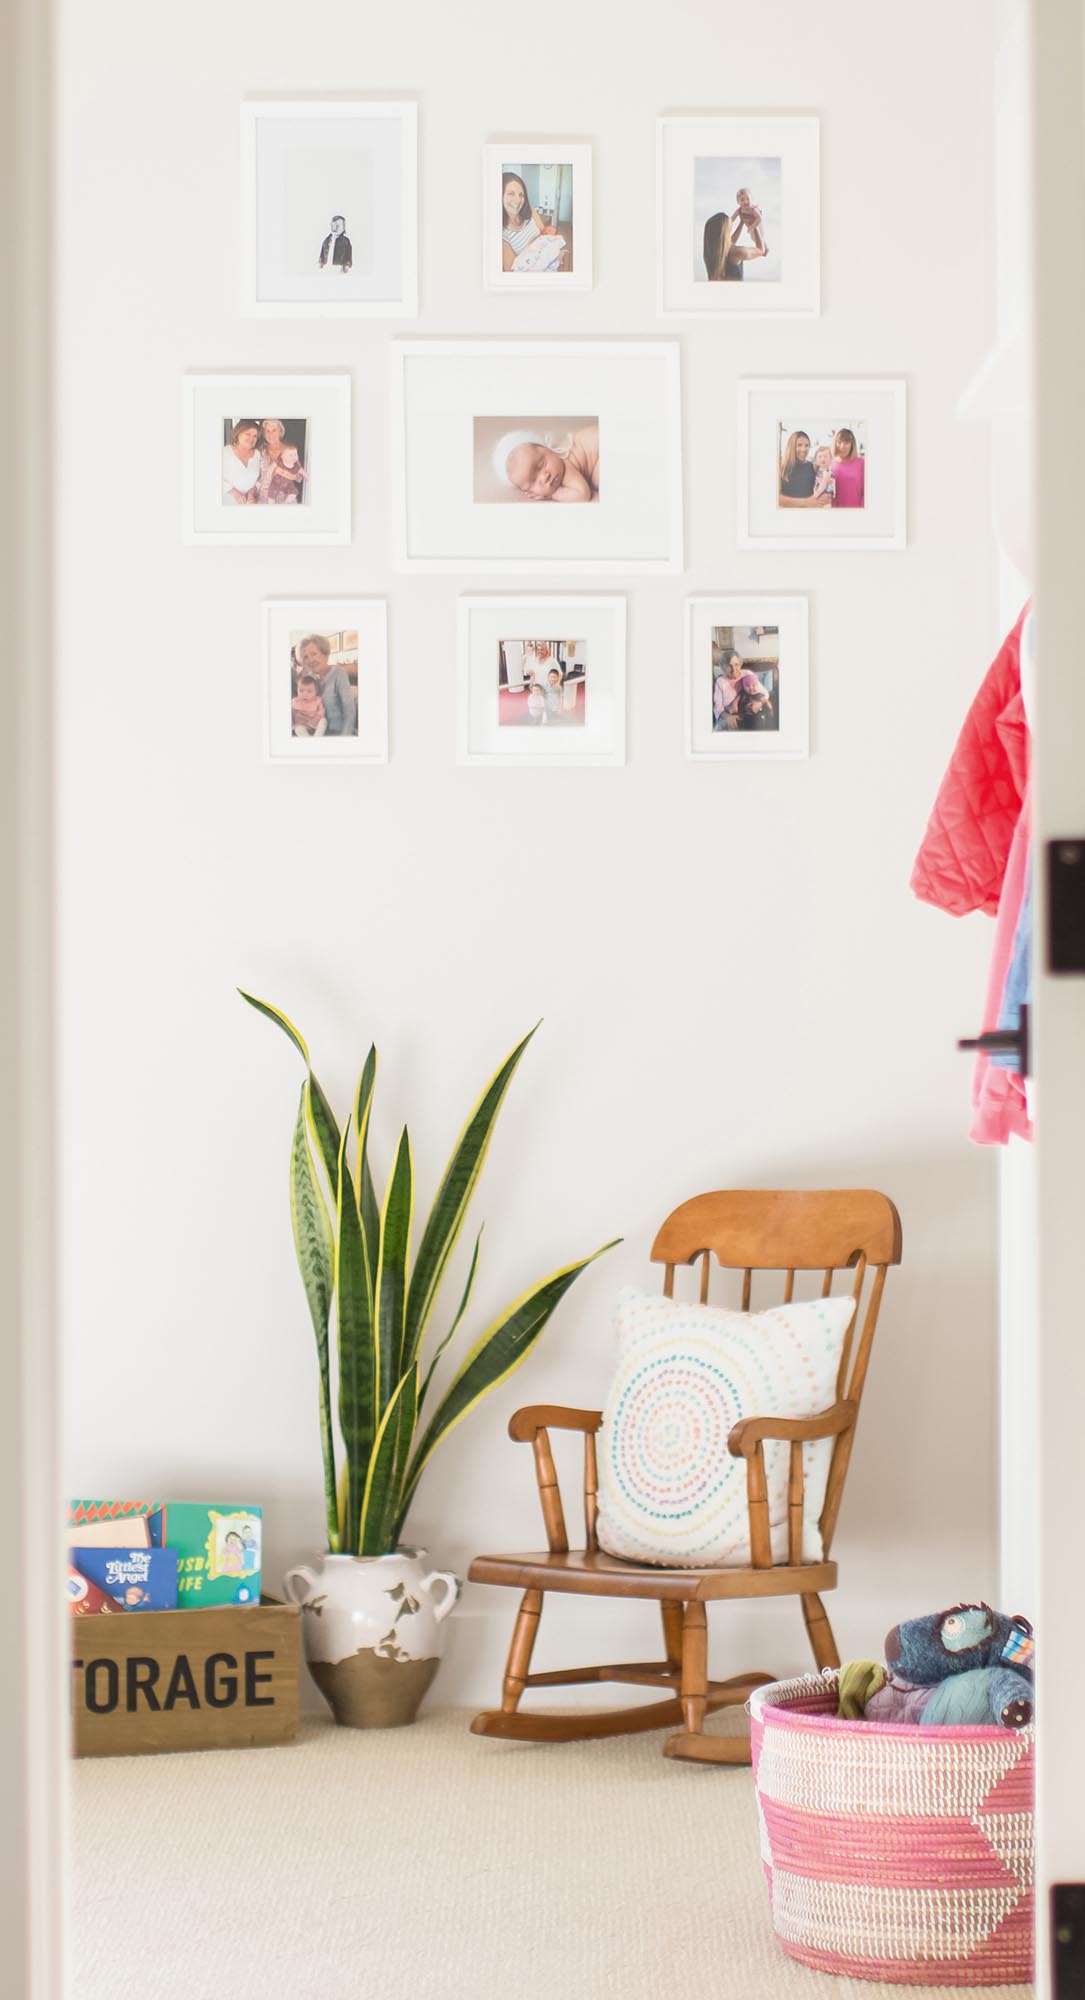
(372, 1632)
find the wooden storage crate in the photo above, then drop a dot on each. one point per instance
(214, 1679)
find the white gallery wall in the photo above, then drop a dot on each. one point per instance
(735, 983)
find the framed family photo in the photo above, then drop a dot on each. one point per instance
(537, 455)
(329, 209)
(747, 678)
(251, 477)
(325, 673)
(537, 218)
(541, 680)
(821, 464)
(739, 217)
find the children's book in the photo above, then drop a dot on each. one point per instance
(218, 1550)
(83, 1513)
(84, 1597)
(133, 1529)
(138, 1579)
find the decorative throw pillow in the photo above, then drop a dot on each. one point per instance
(669, 1490)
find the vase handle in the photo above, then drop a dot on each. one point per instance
(452, 1585)
(308, 1579)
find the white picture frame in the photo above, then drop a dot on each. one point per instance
(873, 412)
(337, 621)
(305, 161)
(556, 177)
(701, 165)
(502, 669)
(457, 405)
(315, 409)
(772, 638)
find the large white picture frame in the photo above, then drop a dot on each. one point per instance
(727, 718)
(479, 427)
(541, 680)
(342, 644)
(308, 164)
(758, 258)
(555, 212)
(779, 504)
(227, 497)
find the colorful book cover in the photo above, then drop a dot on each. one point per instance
(84, 1597)
(218, 1551)
(138, 1579)
(82, 1511)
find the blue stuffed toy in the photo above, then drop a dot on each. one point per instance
(968, 1664)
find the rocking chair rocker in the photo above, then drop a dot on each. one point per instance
(842, 1229)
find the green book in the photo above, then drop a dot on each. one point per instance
(218, 1551)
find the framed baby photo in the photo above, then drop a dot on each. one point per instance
(537, 455)
(329, 209)
(821, 465)
(747, 678)
(252, 477)
(541, 680)
(325, 673)
(536, 218)
(738, 217)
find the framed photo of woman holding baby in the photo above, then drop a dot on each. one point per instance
(537, 455)
(537, 218)
(266, 458)
(821, 464)
(739, 217)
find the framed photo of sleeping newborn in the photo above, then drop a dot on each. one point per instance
(329, 209)
(541, 681)
(747, 678)
(537, 456)
(254, 479)
(821, 465)
(536, 217)
(326, 680)
(738, 217)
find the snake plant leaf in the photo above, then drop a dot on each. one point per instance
(450, 1203)
(501, 1348)
(367, 1194)
(391, 1287)
(459, 1315)
(314, 1243)
(321, 1116)
(357, 1346)
(387, 1466)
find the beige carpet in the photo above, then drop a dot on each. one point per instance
(425, 1864)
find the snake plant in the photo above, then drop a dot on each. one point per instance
(354, 1252)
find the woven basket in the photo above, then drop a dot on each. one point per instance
(894, 1852)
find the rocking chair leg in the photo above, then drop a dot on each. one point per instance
(672, 1632)
(694, 1666)
(524, 1634)
(819, 1631)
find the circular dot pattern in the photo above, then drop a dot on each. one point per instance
(669, 1490)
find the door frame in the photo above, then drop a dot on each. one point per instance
(1057, 63)
(33, 1718)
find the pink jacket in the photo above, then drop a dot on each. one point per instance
(974, 856)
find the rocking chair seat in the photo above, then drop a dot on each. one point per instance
(595, 1574)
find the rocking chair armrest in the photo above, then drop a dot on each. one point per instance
(551, 1416)
(745, 1436)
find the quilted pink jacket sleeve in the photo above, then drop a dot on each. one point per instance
(961, 863)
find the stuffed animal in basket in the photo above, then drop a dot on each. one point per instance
(968, 1664)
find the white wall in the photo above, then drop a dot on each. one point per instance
(736, 983)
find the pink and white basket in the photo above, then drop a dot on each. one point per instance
(892, 1852)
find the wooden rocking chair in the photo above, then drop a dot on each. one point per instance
(853, 1229)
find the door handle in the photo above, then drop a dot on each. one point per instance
(1005, 1041)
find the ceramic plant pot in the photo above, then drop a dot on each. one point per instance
(372, 1630)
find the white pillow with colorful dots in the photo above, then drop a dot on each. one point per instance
(669, 1490)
